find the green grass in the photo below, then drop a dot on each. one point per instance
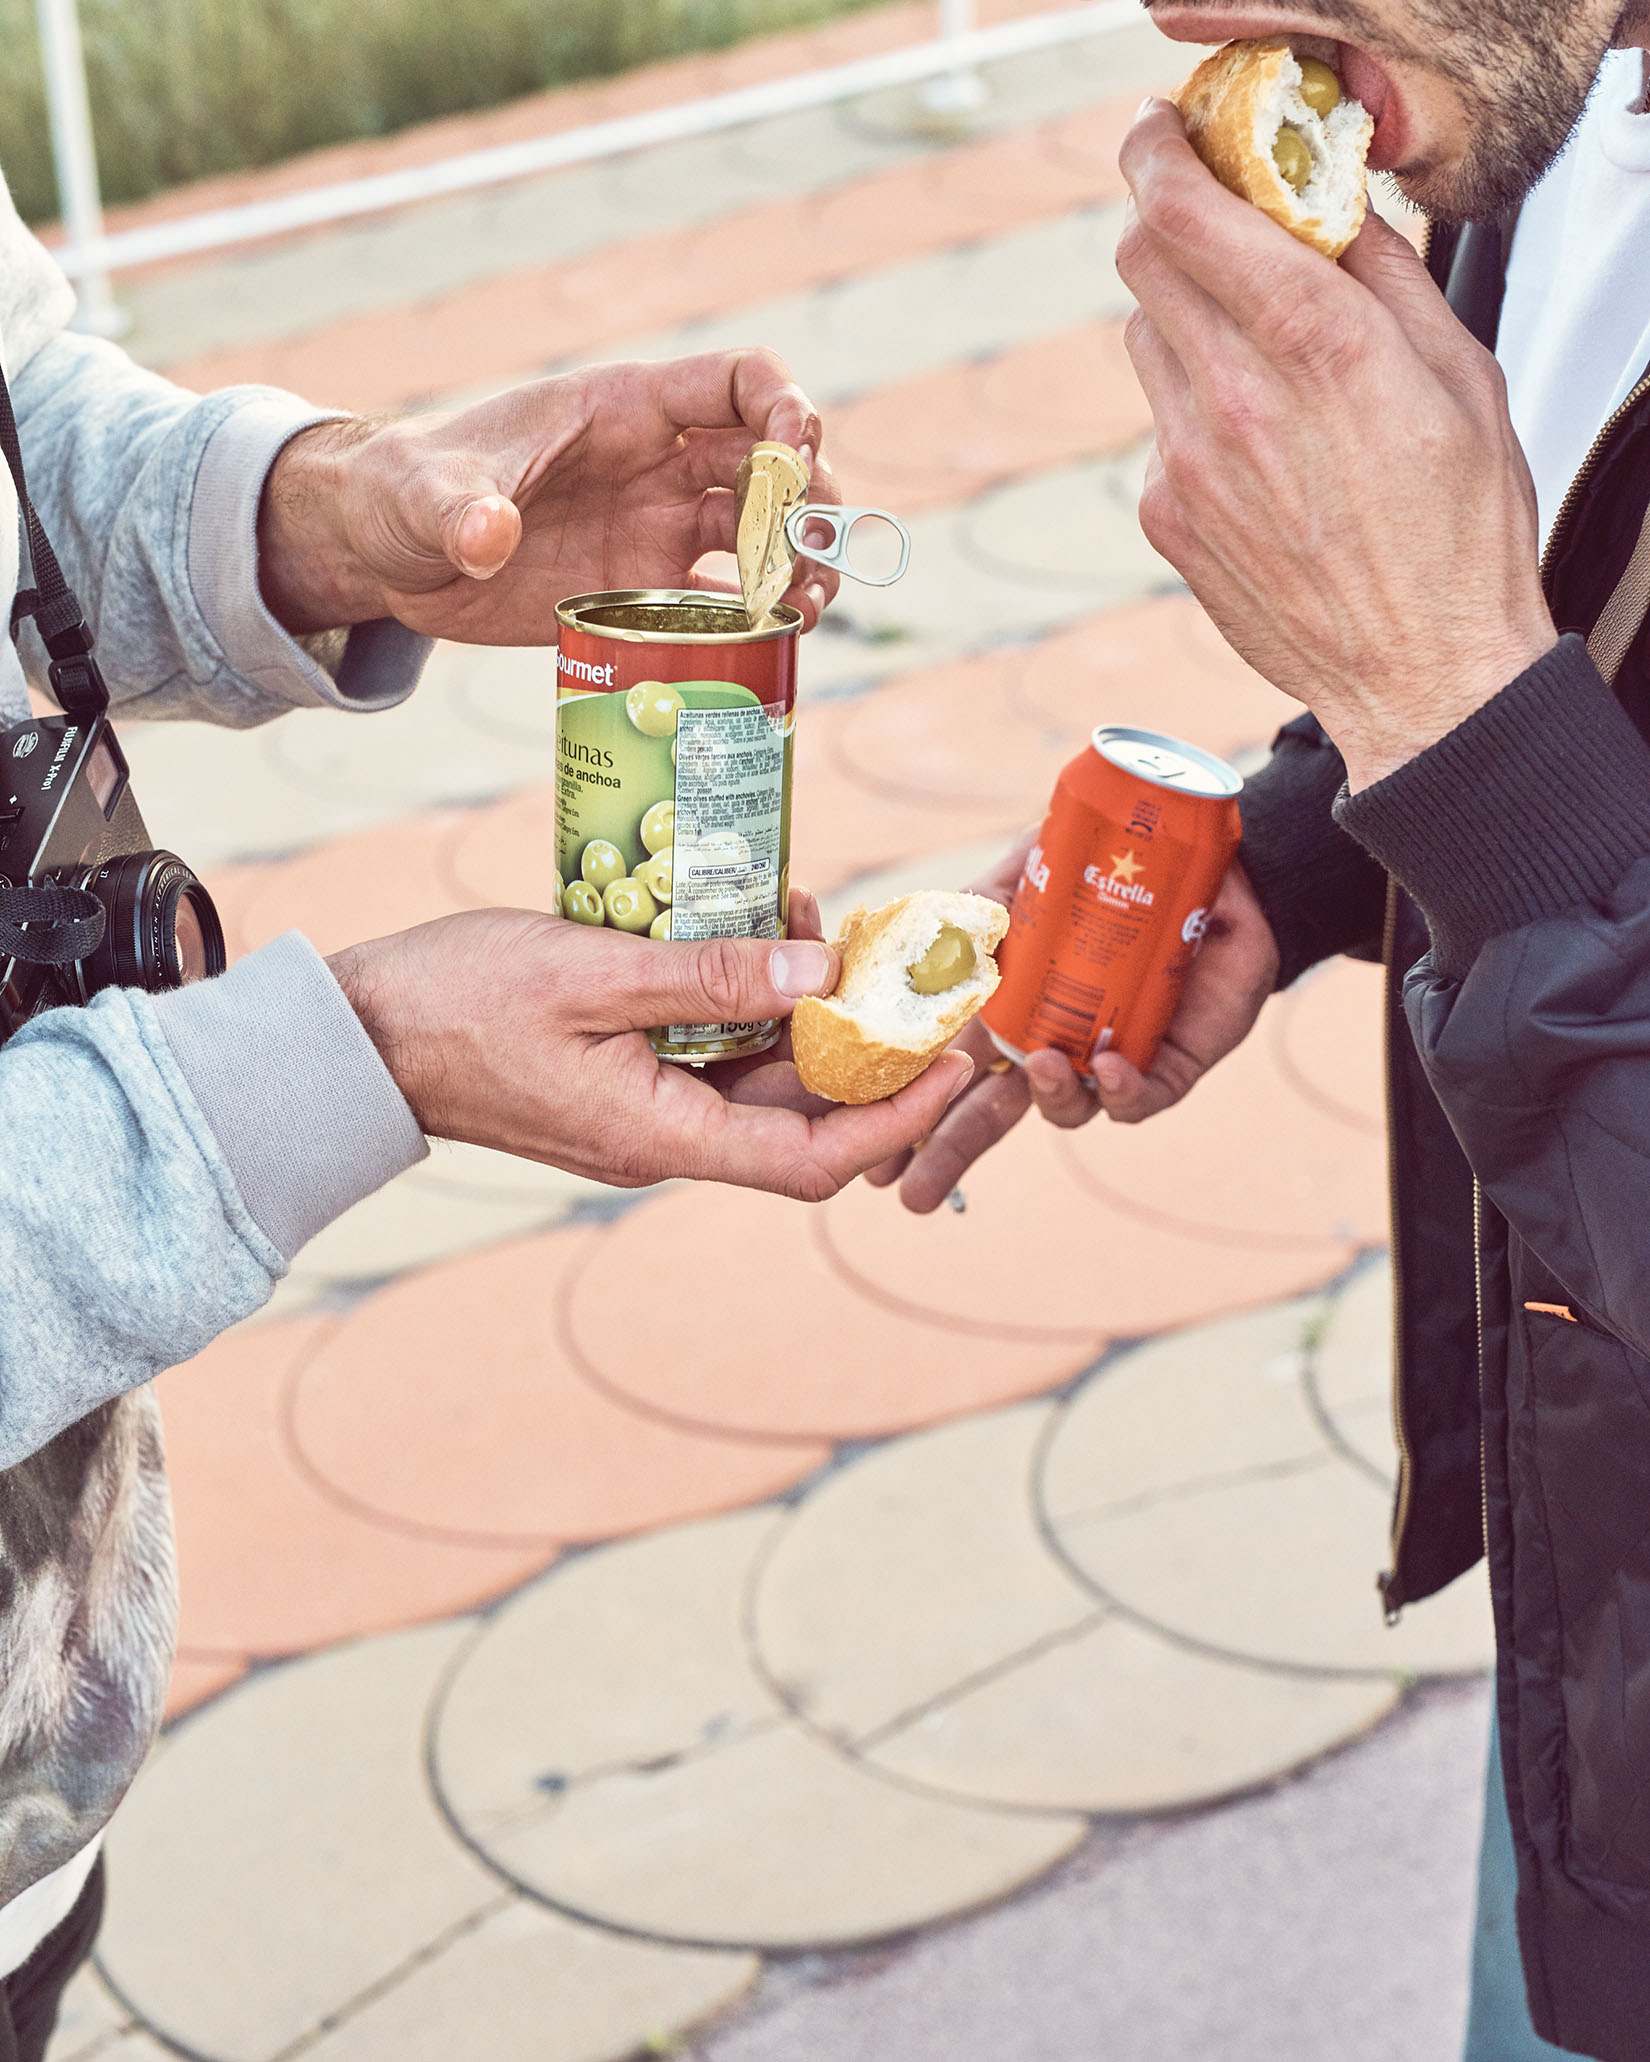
(182, 88)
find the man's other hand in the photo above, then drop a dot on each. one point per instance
(1336, 474)
(474, 526)
(1233, 974)
(524, 1032)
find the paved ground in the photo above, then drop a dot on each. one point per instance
(567, 1666)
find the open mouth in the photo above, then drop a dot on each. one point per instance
(1363, 78)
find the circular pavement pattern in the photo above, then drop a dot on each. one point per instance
(660, 1789)
(911, 1608)
(1248, 1531)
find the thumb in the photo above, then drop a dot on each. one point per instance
(717, 981)
(1389, 266)
(479, 534)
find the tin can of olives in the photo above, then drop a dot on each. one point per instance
(674, 722)
(1114, 899)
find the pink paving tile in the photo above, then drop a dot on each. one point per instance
(952, 735)
(1039, 1253)
(504, 854)
(843, 828)
(272, 1564)
(744, 1323)
(497, 1435)
(519, 321)
(364, 886)
(1160, 664)
(949, 435)
(1245, 1159)
(197, 1677)
(1326, 1036)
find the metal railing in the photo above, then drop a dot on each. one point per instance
(949, 64)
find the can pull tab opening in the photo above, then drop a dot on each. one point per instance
(826, 535)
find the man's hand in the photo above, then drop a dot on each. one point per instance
(524, 1032)
(1336, 475)
(474, 526)
(1233, 974)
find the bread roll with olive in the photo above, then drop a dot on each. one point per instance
(1276, 129)
(913, 973)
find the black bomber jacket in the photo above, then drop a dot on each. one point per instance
(1504, 876)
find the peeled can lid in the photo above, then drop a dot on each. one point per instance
(1166, 762)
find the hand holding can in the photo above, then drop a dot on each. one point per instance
(1114, 900)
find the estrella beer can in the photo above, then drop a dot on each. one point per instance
(674, 723)
(1114, 899)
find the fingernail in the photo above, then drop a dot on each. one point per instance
(816, 594)
(965, 1075)
(800, 968)
(806, 453)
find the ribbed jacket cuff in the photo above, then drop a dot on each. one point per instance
(380, 662)
(1319, 890)
(1539, 802)
(302, 1107)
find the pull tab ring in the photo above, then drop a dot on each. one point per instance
(834, 552)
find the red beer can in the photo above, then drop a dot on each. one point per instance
(1115, 899)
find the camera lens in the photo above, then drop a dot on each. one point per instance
(161, 931)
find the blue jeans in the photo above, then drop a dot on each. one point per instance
(1498, 2017)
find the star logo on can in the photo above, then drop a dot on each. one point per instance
(1125, 867)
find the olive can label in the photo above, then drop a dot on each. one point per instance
(673, 780)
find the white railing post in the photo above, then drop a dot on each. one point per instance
(961, 90)
(75, 156)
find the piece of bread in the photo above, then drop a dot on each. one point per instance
(1234, 105)
(875, 1032)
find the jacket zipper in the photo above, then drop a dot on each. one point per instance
(1401, 1507)
(1400, 1432)
(1478, 1326)
(1583, 479)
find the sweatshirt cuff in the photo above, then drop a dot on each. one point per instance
(380, 662)
(1538, 803)
(303, 1109)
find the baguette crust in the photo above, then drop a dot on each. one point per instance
(1221, 104)
(838, 1059)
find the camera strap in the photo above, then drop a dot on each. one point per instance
(47, 925)
(76, 678)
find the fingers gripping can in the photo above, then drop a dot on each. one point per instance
(1114, 899)
(674, 722)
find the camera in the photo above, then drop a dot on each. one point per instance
(69, 821)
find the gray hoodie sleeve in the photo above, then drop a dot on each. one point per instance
(165, 1157)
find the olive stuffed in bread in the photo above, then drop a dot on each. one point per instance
(1275, 127)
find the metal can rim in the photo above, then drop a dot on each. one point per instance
(572, 612)
(1231, 781)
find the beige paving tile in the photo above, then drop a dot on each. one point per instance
(1118, 1719)
(900, 1578)
(132, 2046)
(527, 1985)
(775, 1842)
(420, 1217)
(90, 2022)
(1351, 1372)
(1073, 525)
(695, 1813)
(282, 1852)
(1280, 1567)
(629, 1656)
(1196, 1406)
(898, 321)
